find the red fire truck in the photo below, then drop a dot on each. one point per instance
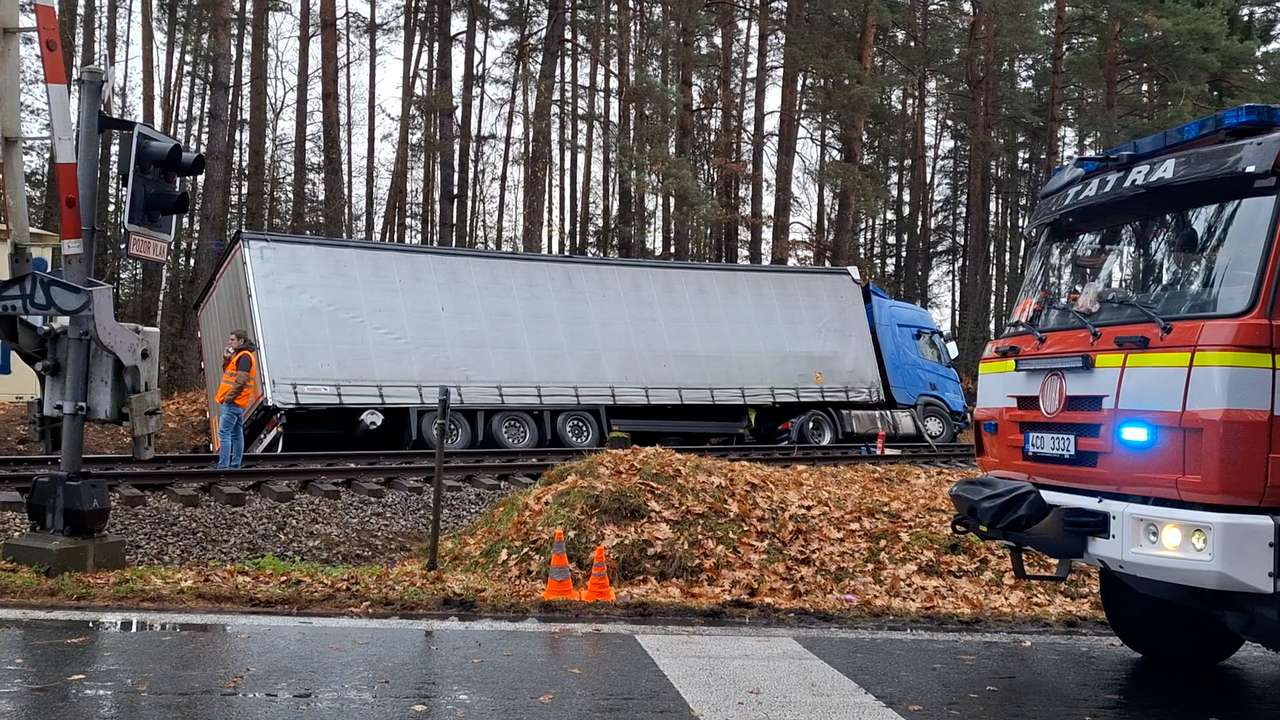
(1129, 415)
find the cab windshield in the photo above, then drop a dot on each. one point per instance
(1202, 260)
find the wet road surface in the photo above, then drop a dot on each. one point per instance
(72, 665)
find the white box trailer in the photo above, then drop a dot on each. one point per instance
(356, 337)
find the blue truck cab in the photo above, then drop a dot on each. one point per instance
(916, 361)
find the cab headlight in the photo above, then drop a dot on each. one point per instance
(1152, 532)
(1171, 537)
(1199, 540)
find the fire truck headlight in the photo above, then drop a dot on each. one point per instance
(1199, 540)
(1152, 532)
(1136, 434)
(1171, 537)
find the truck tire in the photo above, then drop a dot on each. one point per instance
(937, 423)
(457, 433)
(1162, 631)
(578, 429)
(815, 428)
(514, 430)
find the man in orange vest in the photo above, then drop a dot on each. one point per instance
(239, 388)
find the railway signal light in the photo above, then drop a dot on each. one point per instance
(151, 170)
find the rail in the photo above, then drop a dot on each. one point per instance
(17, 471)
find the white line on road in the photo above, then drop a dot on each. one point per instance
(159, 620)
(741, 678)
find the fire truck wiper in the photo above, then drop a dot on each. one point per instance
(1165, 326)
(1028, 326)
(1094, 332)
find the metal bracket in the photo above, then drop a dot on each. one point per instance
(37, 293)
(1020, 569)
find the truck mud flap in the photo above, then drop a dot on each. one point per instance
(1014, 514)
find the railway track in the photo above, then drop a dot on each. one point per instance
(193, 469)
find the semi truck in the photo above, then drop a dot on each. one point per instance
(354, 339)
(1129, 415)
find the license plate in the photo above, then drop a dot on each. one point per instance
(1049, 444)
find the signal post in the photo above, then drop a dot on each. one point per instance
(93, 368)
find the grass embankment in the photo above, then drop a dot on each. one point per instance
(683, 533)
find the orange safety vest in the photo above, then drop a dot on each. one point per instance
(250, 390)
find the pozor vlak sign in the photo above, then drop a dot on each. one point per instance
(153, 198)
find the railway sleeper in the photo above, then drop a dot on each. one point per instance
(11, 501)
(182, 495)
(130, 496)
(325, 490)
(483, 483)
(405, 485)
(367, 488)
(228, 495)
(276, 492)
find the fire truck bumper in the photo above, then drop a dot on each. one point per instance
(1195, 548)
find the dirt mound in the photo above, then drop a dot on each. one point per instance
(186, 429)
(688, 529)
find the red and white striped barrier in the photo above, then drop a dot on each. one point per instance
(64, 143)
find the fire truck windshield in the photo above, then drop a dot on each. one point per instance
(1196, 261)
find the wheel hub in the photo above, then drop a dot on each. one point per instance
(578, 431)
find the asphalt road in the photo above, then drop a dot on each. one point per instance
(71, 665)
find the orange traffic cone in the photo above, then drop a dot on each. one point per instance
(598, 586)
(559, 580)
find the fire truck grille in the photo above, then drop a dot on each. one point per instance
(1080, 430)
(1075, 403)
(1083, 458)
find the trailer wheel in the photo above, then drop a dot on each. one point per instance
(578, 429)
(815, 428)
(514, 430)
(1162, 631)
(457, 433)
(937, 423)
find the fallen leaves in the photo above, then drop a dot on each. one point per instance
(681, 530)
(77, 676)
(546, 699)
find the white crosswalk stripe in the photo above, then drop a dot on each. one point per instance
(736, 678)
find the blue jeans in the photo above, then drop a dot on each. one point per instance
(230, 436)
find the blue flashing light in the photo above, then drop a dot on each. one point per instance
(1136, 434)
(1241, 117)
(990, 426)
(1258, 117)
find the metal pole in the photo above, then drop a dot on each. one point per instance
(77, 269)
(437, 480)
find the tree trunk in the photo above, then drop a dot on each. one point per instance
(463, 238)
(477, 209)
(148, 64)
(1110, 75)
(393, 225)
(213, 210)
(975, 288)
(755, 250)
(444, 107)
(844, 244)
(298, 212)
(574, 121)
(255, 213)
(584, 210)
(625, 163)
(684, 189)
(235, 155)
(370, 120)
(1053, 126)
(516, 72)
(788, 129)
(170, 82)
(728, 172)
(535, 167)
(331, 120)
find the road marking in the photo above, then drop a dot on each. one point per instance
(145, 620)
(734, 678)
